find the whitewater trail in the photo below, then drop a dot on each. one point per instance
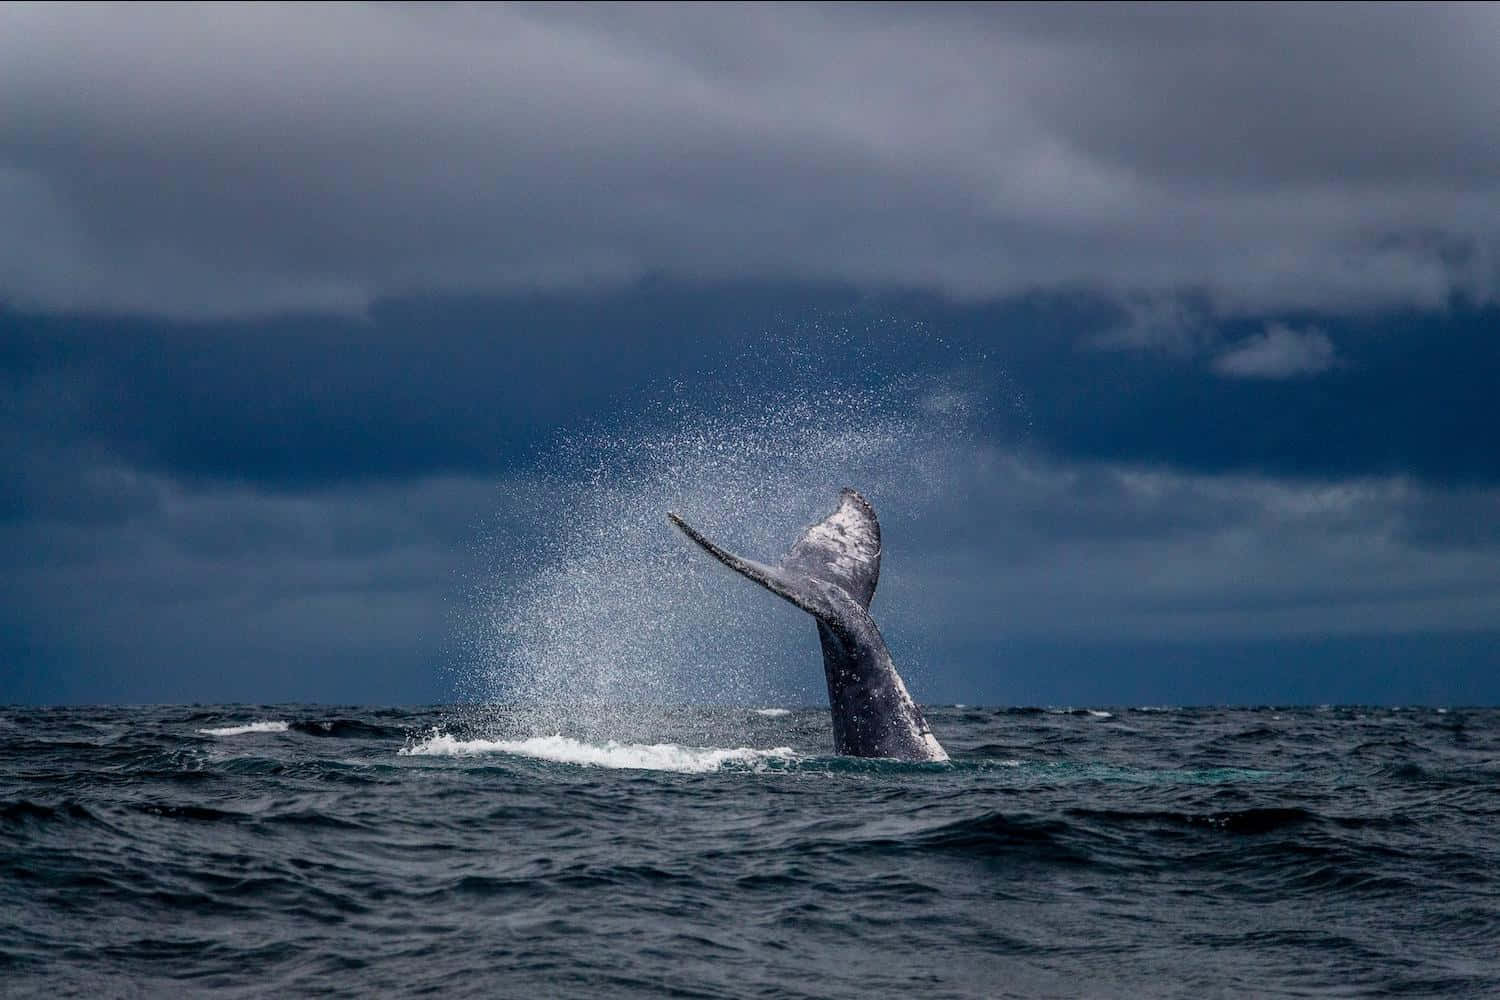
(609, 754)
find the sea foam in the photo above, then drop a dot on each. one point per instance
(773, 713)
(610, 754)
(252, 727)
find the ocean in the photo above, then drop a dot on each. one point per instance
(723, 852)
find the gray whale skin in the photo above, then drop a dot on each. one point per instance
(831, 572)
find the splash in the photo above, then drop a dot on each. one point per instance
(609, 754)
(592, 601)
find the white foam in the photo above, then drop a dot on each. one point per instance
(253, 727)
(637, 756)
(1101, 715)
(773, 713)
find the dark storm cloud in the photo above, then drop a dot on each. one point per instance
(479, 387)
(228, 161)
(415, 389)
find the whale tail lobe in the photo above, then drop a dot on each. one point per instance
(842, 550)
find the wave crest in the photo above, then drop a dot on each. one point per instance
(273, 726)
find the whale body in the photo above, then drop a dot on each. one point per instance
(831, 572)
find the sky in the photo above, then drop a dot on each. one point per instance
(351, 354)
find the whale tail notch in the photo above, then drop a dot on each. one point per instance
(842, 550)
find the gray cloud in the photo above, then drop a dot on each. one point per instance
(1114, 552)
(1278, 352)
(255, 159)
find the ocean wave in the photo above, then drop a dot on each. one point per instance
(347, 729)
(1258, 820)
(610, 754)
(992, 834)
(1278, 861)
(25, 811)
(773, 713)
(275, 726)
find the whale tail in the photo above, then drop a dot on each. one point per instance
(831, 572)
(842, 550)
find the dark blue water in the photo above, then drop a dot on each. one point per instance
(352, 851)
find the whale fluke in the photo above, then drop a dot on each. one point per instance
(831, 572)
(843, 549)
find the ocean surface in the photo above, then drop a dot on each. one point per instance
(346, 851)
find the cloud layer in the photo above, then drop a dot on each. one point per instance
(247, 160)
(384, 594)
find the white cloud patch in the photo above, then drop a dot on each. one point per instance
(257, 158)
(1160, 323)
(1278, 352)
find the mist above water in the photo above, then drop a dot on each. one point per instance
(594, 602)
